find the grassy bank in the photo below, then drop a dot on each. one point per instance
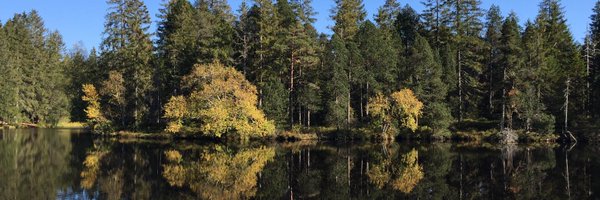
(468, 131)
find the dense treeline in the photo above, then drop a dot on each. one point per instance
(463, 62)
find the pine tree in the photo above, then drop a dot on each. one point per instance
(492, 73)
(466, 24)
(177, 44)
(266, 68)
(435, 21)
(348, 15)
(378, 64)
(564, 66)
(511, 65)
(304, 49)
(338, 84)
(387, 14)
(127, 48)
(426, 82)
(594, 70)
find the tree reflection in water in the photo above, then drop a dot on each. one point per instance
(402, 176)
(59, 164)
(219, 173)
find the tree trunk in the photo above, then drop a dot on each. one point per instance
(291, 101)
(367, 105)
(460, 89)
(308, 119)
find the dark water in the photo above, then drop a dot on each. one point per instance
(70, 164)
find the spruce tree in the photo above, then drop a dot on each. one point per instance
(378, 64)
(426, 82)
(177, 44)
(594, 69)
(564, 65)
(436, 22)
(338, 85)
(511, 65)
(466, 24)
(387, 14)
(492, 73)
(127, 48)
(348, 15)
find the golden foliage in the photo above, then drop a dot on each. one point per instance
(221, 175)
(379, 175)
(91, 167)
(114, 87)
(175, 174)
(403, 177)
(225, 102)
(93, 100)
(175, 110)
(173, 156)
(411, 174)
(408, 104)
(379, 107)
(403, 106)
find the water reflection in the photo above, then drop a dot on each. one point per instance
(46, 164)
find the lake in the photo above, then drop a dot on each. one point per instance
(71, 164)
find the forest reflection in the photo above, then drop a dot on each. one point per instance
(61, 164)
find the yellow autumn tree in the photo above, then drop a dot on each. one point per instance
(175, 110)
(382, 119)
(408, 108)
(93, 112)
(224, 102)
(400, 108)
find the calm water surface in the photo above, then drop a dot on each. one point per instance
(70, 164)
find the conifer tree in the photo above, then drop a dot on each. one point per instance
(378, 64)
(338, 85)
(348, 15)
(387, 14)
(492, 72)
(436, 22)
(426, 82)
(177, 44)
(126, 48)
(466, 24)
(511, 65)
(564, 65)
(594, 71)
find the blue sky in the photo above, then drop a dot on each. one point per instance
(83, 20)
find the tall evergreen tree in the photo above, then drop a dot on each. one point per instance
(127, 48)
(387, 14)
(435, 21)
(467, 26)
(594, 69)
(338, 84)
(379, 63)
(35, 83)
(348, 15)
(563, 67)
(177, 45)
(511, 65)
(426, 82)
(9, 82)
(492, 72)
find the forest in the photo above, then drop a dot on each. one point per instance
(452, 70)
